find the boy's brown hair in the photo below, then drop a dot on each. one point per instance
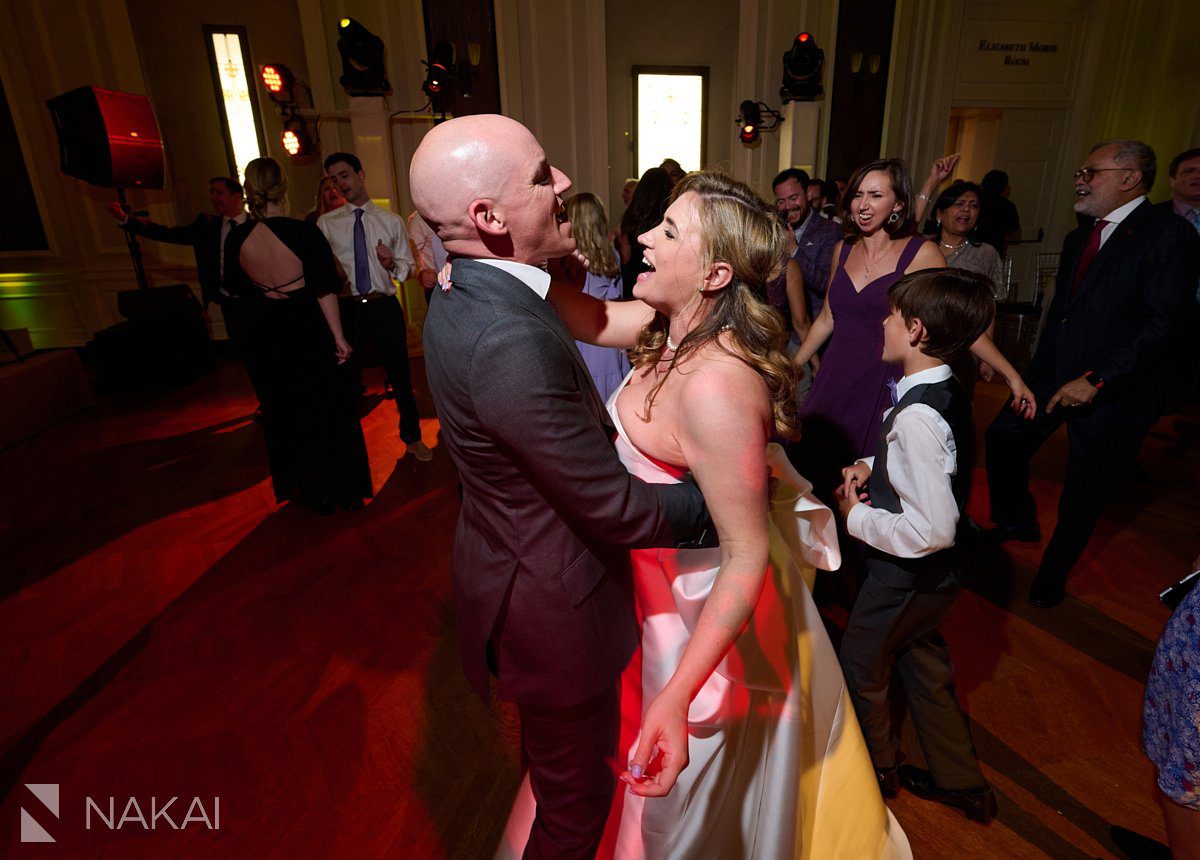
(954, 305)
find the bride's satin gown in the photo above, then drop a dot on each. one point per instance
(778, 766)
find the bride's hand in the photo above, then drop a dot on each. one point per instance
(662, 751)
(570, 271)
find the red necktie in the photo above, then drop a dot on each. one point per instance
(1089, 253)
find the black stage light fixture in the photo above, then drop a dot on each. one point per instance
(749, 121)
(279, 83)
(438, 75)
(802, 70)
(363, 71)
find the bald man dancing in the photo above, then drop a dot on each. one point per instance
(541, 565)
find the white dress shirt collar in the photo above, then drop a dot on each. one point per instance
(1122, 212)
(922, 377)
(1115, 217)
(531, 276)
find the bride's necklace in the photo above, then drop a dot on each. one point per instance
(671, 345)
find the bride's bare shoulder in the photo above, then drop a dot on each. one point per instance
(719, 373)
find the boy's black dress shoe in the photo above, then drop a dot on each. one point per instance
(889, 781)
(978, 804)
(1004, 533)
(1046, 595)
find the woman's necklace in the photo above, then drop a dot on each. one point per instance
(671, 345)
(957, 247)
(867, 259)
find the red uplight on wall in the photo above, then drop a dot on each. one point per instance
(295, 138)
(279, 82)
(291, 142)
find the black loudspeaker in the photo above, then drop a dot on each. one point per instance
(147, 306)
(108, 138)
(164, 343)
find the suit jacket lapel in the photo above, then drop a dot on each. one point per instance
(1121, 234)
(470, 271)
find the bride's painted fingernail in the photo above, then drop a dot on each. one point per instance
(636, 770)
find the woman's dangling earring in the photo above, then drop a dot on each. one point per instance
(894, 217)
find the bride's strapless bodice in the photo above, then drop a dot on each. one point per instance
(637, 463)
(673, 585)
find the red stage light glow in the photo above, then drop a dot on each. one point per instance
(272, 80)
(291, 142)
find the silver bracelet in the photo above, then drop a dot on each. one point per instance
(921, 196)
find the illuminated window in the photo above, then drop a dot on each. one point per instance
(229, 56)
(669, 103)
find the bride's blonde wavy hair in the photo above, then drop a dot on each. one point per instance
(739, 229)
(265, 183)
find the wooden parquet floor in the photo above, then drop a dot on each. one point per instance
(167, 630)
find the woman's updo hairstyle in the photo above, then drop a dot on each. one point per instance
(265, 184)
(741, 230)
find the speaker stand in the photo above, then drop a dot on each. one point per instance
(135, 249)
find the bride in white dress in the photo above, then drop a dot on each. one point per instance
(748, 746)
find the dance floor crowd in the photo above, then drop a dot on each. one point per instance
(682, 548)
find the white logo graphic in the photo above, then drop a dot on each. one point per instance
(47, 793)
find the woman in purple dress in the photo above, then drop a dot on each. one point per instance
(841, 419)
(589, 226)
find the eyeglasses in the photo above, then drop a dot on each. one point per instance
(1087, 173)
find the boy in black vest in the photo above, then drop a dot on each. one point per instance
(904, 504)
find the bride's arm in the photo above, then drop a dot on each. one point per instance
(725, 448)
(594, 321)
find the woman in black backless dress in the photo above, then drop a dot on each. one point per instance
(283, 269)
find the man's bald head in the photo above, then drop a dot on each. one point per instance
(484, 185)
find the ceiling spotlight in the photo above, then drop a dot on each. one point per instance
(437, 75)
(363, 70)
(751, 121)
(802, 70)
(750, 118)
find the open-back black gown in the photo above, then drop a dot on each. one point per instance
(315, 444)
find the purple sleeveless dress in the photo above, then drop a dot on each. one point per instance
(841, 419)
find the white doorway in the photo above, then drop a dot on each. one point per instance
(1027, 144)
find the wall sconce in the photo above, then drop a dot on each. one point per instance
(856, 59)
(873, 63)
(473, 53)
